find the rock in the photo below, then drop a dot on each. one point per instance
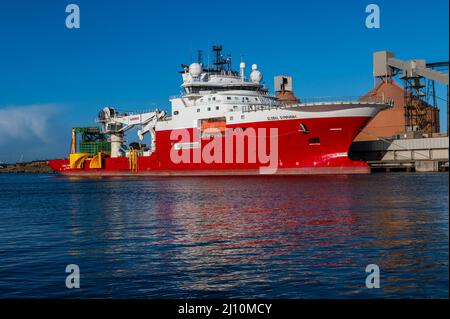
(30, 167)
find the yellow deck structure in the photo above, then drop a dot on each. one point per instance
(77, 159)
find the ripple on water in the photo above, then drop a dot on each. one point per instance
(225, 237)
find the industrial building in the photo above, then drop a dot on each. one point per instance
(393, 122)
(406, 136)
(283, 88)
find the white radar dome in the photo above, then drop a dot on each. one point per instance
(256, 75)
(195, 69)
(242, 65)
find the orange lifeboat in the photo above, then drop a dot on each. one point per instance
(214, 126)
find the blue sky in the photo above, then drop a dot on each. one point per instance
(128, 54)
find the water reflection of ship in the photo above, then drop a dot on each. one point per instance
(224, 240)
(223, 233)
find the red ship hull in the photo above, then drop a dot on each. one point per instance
(323, 149)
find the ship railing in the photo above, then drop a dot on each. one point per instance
(228, 76)
(345, 100)
(325, 100)
(137, 112)
(263, 107)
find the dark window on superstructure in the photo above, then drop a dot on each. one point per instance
(175, 113)
(217, 107)
(209, 109)
(314, 141)
(228, 97)
(198, 110)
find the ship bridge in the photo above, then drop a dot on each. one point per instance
(198, 80)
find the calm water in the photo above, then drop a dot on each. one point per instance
(269, 237)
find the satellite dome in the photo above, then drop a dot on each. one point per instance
(242, 65)
(195, 69)
(256, 75)
(254, 67)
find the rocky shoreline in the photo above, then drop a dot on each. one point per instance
(29, 167)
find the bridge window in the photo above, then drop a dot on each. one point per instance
(175, 113)
(198, 110)
(209, 109)
(217, 108)
(228, 97)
